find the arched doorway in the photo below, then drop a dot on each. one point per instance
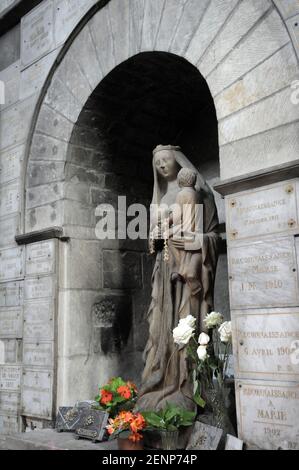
(152, 98)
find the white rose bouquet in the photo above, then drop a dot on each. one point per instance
(209, 354)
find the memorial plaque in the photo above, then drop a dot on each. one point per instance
(39, 320)
(9, 227)
(11, 264)
(265, 344)
(11, 294)
(268, 414)
(233, 443)
(33, 77)
(15, 123)
(37, 393)
(92, 424)
(40, 258)
(293, 28)
(9, 424)
(11, 79)
(9, 199)
(67, 15)
(263, 274)
(10, 351)
(204, 437)
(38, 288)
(264, 211)
(68, 418)
(38, 354)
(10, 164)
(11, 322)
(37, 33)
(10, 402)
(10, 378)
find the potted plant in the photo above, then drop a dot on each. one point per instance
(167, 422)
(116, 395)
(127, 427)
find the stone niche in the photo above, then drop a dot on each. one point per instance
(263, 229)
(112, 323)
(105, 285)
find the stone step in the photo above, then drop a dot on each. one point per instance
(50, 439)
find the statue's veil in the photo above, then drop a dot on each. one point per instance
(182, 160)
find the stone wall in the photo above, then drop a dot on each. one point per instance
(246, 50)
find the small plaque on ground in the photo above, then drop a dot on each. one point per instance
(204, 437)
(92, 425)
(68, 418)
(233, 443)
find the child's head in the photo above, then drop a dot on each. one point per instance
(186, 178)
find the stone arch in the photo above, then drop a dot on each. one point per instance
(109, 154)
(223, 40)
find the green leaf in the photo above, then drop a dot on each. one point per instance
(197, 395)
(154, 419)
(118, 399)
(171, 412)
(116, 383)
(172, 427)
(199, 400)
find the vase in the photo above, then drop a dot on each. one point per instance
(127, 444)
(169, 440)
(218, 402)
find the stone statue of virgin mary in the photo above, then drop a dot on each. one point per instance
(178, 289)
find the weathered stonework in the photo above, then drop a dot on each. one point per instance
(258, 128)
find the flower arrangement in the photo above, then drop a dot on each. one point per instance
(128, 424)
(117, 394)
(209, 354)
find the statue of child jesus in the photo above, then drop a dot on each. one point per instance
(183, 221)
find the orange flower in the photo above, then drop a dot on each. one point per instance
(124, 392)
(132, 386)
(126, 416)
(138, 423)
(110, 429)
(135, 437)
(106, 397)
(111, 426)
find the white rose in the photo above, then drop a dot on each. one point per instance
(213, 319)
(189, 320)
(202, 353)
(225, 332)
(182, 334)
(203, 339)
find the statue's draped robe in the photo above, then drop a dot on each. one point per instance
(166, 377)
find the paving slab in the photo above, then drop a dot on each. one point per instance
(52, 440)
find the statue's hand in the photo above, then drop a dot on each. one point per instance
(179, 244)
(187, 245)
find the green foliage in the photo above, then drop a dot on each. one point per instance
(118, 402)
(171, 418)
(197, 394)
